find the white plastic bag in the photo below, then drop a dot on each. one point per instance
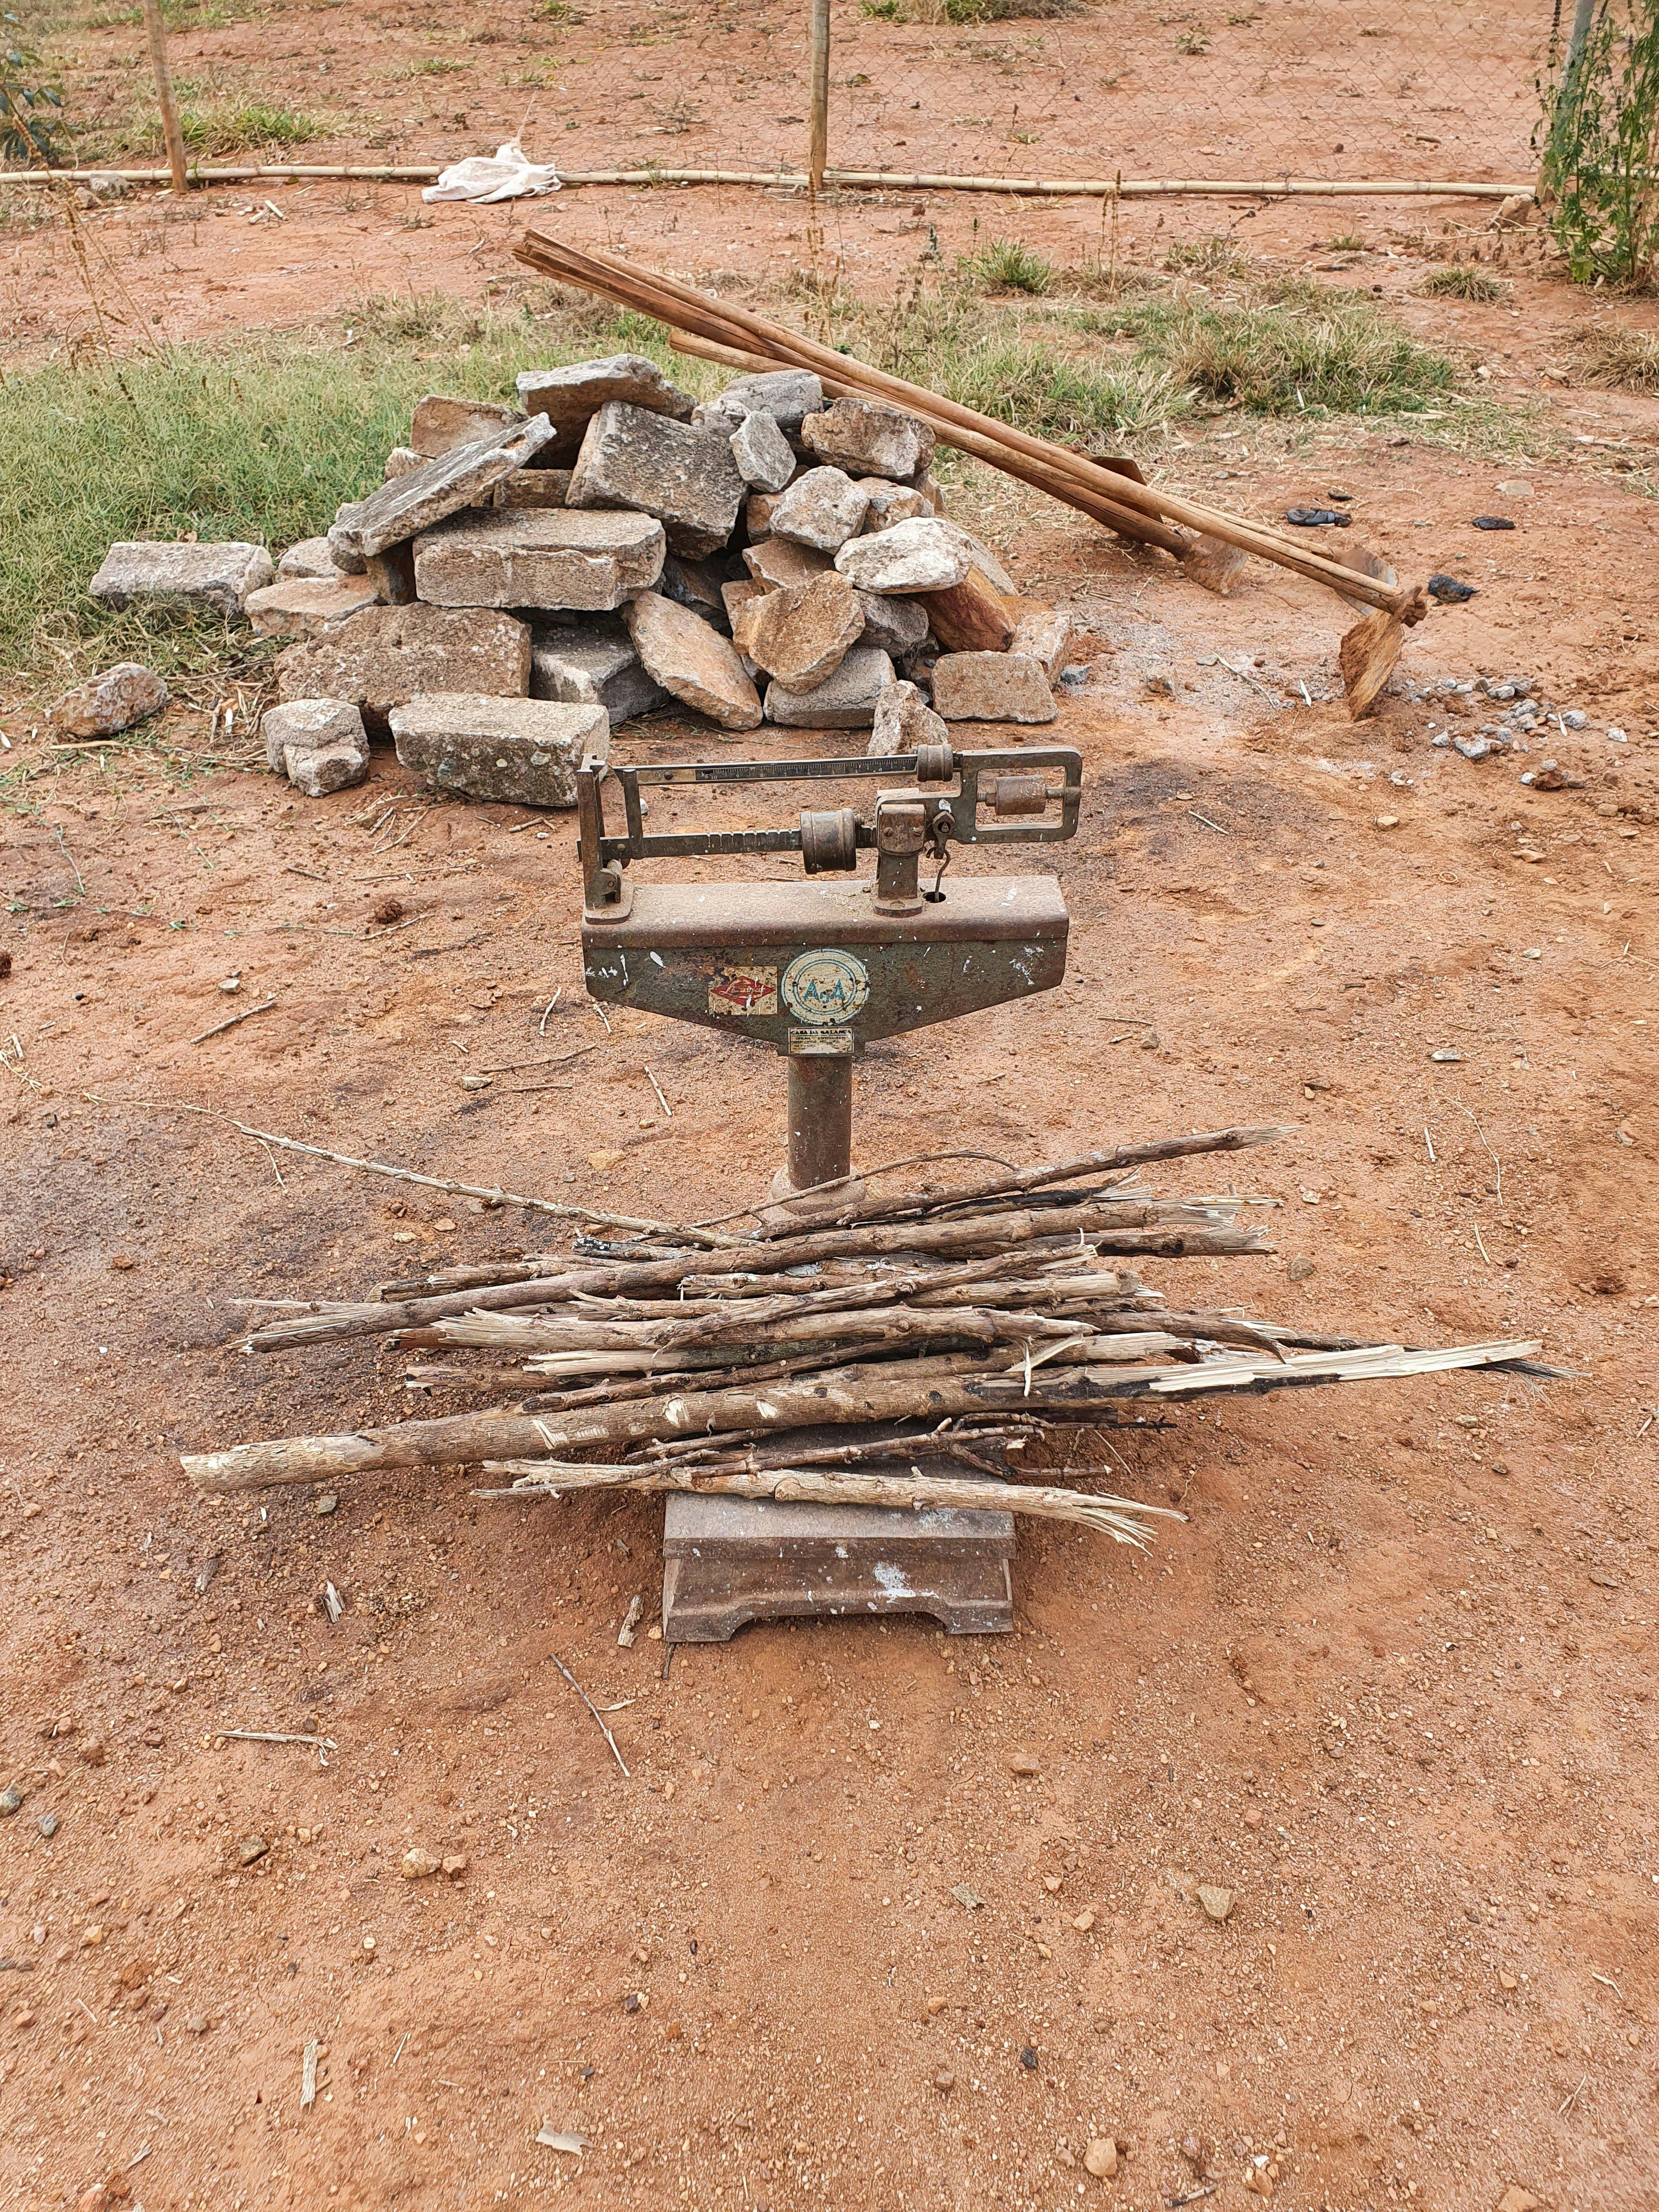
(505, 175)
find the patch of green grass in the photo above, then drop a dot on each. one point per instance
(433, 65)
(1193, 42)
(1008, 265)
(557, 11)
(1617, 360)
(1345, 241)
(1075, 402)
(263, 443)
(214, 128)
(1456, 280)
(972, 11)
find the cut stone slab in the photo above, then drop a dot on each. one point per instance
(686, 477)
(681, 652)
(301, 606)
(402, 461)
(167, 574)
(319, 745)
(439, 424)
(845, 701)
(775, 563)
(392, 575)
(106, 704)
(533, 487)
(592, 665)
(921, 555)
(800, 636)
(538, 557)
(570, 399)
(421, 500)
(1046, 634)
(890, 504)
(898, 626)
(868, 439)
(788, 395)
(992, 687)
(523, 751)
(764, 456)
(979, 556)
(312, 556)
(823, 508)
(380, 658)
(903, 721)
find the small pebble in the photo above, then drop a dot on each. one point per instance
(327, 1503)
(1101, 2159)
(1218, 1903)
(944, 2079)
(1023, 1762)
(417, 1863)
(1493, 522)
(252, 1848)
(1028, 2057)
(1574, 719)
(11, 1798)
(48, 1824)
(197, 2023)
(1387, 821)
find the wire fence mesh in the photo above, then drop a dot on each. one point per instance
(1334, 90)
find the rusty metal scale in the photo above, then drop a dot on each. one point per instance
(820, 968)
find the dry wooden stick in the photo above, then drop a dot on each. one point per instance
(1111, 1515)
(231, 1020)
(593, 1709)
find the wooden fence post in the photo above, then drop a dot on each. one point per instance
(171, 133)
(818, 145)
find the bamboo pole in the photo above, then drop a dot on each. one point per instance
(171, 131)
(1065, 473)
(819, 110)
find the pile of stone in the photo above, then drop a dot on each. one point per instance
(527, 576)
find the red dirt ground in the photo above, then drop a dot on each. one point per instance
(1391, 1683)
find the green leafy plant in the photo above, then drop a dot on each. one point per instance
(1599, 176)
(1193, 42)
(31, 126)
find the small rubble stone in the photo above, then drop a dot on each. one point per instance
(632, 458)
(455, 1865)
(167, 574)
(776, 564)
(11, 1800)
(1216, 1902)
(251, 1850)
(736, 596)
(801, 636)
(890, 504)
(788, 395)
(402, 461)
(301, 606)
(1047, 637)
(570, 398)
(592, 665)
(534, 486)
(764, 456)
(922, 556)
(757, 516)
(523, 751)
(897, 626)
(863, 435)
(110, 702)
(992, 687)
(312, 556)
(822, 508)
(439, 424)
(903, 721)
(417, 1863)
(385, 655)
(845, 701)
(421, 500)
(319, 745)
(1100, 2158)
(538, 557)
(691, 659)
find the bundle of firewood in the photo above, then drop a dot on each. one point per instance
(945, 1325)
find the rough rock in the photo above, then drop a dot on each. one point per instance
(932, 490)
(392, 574)
(319, 745)
(788, 395)
(385, 655)
(592, 665)
(631, 457)
(845, 701)
(733, 597)
(757, 516)
(439, 424)
(168, 575)
(1047, 637)
(822, 508)
(418, 1863)
(890, 504)
(682, 653)
(864, 436)
(421, 500)
(301, 606)
(524, 751)
(696, 585)
(1216, 1902)
(903, 721)
(801, 636)
(401, 461)
(897, 626)
(764, 456)
(533, 487)
(1100, 2158)
(312, 556)
(776, 564)
(923, 556)
(980, 554)
(992, 687)
(570, 398)
(105, 704)
(538, 557)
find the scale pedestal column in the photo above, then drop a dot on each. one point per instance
(820, 1118)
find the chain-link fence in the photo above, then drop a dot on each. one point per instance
(1407, 90)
